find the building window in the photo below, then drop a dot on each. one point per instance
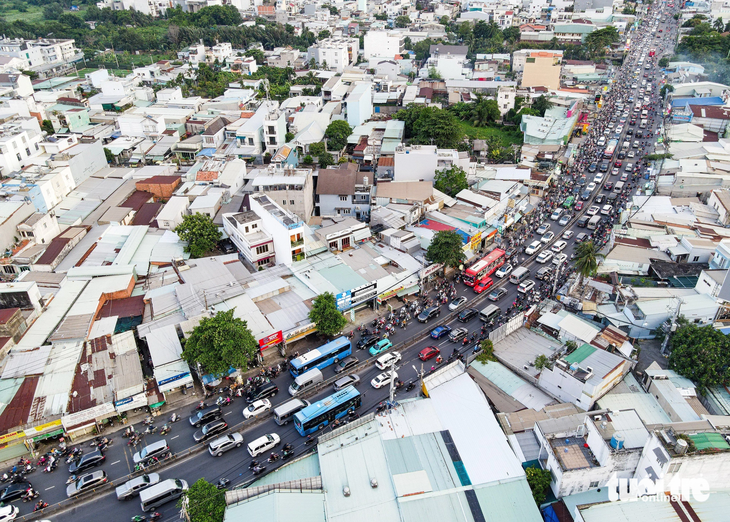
(18, 155)
(262, 249)
(246, 229)
(291, 201)
(594, 484)
(674, 467)
(27, 151)
(283, 202)
(254, 226)
(343, 198)
(530, 60)
(250, 141)
(345, 210)
(9, 269)
(271, 130)
(695, 259)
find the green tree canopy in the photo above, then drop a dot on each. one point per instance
(317, 149)
(702, 354)
(447, 248)
(487, 353)
(47, 126)
(219, 343)
(325, 159)
(431, 125)
(326, 316)
(402, 21)
(256, 54)
(541, 104)
(451, 181)
(204, 502)
(539, 481)
(337, 133)
(597, 41)
(200, 232)
(586, 259)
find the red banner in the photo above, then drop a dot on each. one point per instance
(271, 340)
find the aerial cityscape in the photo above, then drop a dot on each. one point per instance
(396, 260)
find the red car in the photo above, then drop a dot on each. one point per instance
(429, 352)
(618, 164)
(579, 205)
(483, 284)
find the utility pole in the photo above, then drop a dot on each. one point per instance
(555, 279)
(391, 391)
(672, 326)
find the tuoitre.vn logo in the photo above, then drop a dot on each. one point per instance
(623, 489)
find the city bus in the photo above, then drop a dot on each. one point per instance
(610, 149)
(320, 358)
(484, 267)
(321, 413)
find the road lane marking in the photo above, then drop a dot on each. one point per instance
(115, 462)
(50, 488)
(446, 341)
(227, 413)
(176, 436)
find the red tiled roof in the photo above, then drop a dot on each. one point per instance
(146, 214)
(125, 307)
(55, 247)
(706, 111)
(160, 180)
(17, 411)
(6, 314)
(386, 161)
(206, 175)
(137, 199)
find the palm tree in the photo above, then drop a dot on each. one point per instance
(586, 259)
(718, 25)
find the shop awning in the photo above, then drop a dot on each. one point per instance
(359, 235)
(88, 417)
(130, 403)
(48, 435)
(172, 375)
(408, 291)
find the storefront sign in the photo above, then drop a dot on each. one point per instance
(173, 378)
(425, 272)
(344, 300)
(129, 403)
(390, 293)
(475, 240)
(271, 340)
(16, 436)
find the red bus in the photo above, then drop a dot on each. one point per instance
(484, 267)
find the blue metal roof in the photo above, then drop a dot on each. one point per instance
(683, 102)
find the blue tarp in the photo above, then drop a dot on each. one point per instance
(208, 153)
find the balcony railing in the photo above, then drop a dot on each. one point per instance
(297, 243)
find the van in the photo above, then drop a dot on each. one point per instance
(305, 381)
(490, 313)
(544, 272)
(264, 391)
(159, 494)
(137, 484)
(593, 223)
(519, 275)
(625, 145)
(526, 286)
(642, 125)
(618, 188)
(284, 413)
(582, 221)
(601, 141)
(263, 444)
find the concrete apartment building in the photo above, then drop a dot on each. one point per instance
(542, 69)
(344, 191)
(383, 44)
(285, 228)
(292, 188)
(339, 52)
(247, 232)
(420, 162)
(19, 142)
(519, 58)
(360, 104)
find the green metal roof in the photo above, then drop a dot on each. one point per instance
(580, 354)
(306, 467)
(508, 501)
(304, 506)
(709, 441)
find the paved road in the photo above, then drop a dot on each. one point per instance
(235, 464)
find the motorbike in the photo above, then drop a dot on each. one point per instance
(174, 417)
(71, 479)
(253, 464)
(410, 386)
(258, 470)
(149, 420)
(273, 457)
(222, 483)
(155, 516)
(30, 495)
(40, 505)
(287, 451)
(201, 406)
(309, 440)
(165, 429)
(150, 430)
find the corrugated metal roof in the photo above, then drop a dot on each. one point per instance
(17, 410)
(299, 469)
(26, 362)
(54, 386)
(580, 354)
(282, 506)
(578, 327)
(512, 385)
(164, 345)
(645, 404)
(453, 507)
(508, 501)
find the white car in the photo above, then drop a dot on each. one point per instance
(591, 187)
(503, 271)
(256, 408)
(631, 154)
(568, 234)
(456, 303)
(383, 379)
(8, 513)
(533, 247)
(560, 258)
(547, 237)
(598, 178)
(384, 361)
(606, 210)
(559, 246)
(544, 257)
(595, 209)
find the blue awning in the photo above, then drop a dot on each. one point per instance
(206, 152)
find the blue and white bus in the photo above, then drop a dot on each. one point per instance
(321, 357)
(318, 415)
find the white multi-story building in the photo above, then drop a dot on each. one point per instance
(360, 104)
(221, 51)
(19, 142)
(40, 52)
(383, 44)
(420, 162)
(338, 52)
(285, 228)
(247, 232)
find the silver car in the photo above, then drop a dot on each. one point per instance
(86, 483)
(137, 484)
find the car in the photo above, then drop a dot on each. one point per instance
(543, 228)
(14, 491)
(614, 171)
(88, 461)
(346, 364)
(457, 303)
(504, 270)
(380, 347)
(556, 214)
(591, 187)
(631, 154)
(467, 314)
(497, 294)
(608, 185)
(606, 210)
(383, 379)
(593, 210)
(546, 238)
(544, 257)
(429, 352)
(560, 258)
(158, 449)
(567, 234)
(428, 314)
(632, 122)
(564, 220)
(135, 485)
(440, 331)
(559, 246)
(624, 176)
(532, 248)
(200, 417)
(579, 205)
(256, 408)
(458, 334)
(621, 155)
(386, 361)
(582, 237)
(209, 430)
(592, 167)
(267, 389)
(483, 284)
(347, 380)
(629, 167)
(600, 198)
(86, 483)
(630, 132)
(226, 246)
(526, 286)
(586, 195)
(222, 444)
(367, 341)
(510, 252)
(8, 513)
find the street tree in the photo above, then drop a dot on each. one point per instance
(447, 248)
(219, 343)
(451, 181)
(586, 259)
(487, 353)
(539, 481)
(402, 21)
(337, 133)
(203, 502)
(326, 316)
(702, 354)
(200, 232)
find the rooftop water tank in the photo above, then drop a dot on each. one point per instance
(681, 446)
(617, 441)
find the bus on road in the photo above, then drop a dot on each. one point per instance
(610, 149)
(484, 267)
(321, 357)
(324, 412)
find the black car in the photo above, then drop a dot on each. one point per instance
(600, 198)
(226, 246)
(210, 429)
(88, 461)
(200, 417)
(367, 341)
(468, 314)
(14, 491)
(621, 155)
(346, 364)
(264, 391)
(586, 195)
(612, 197)
(428, 314)
(583, 221)
(592, 167)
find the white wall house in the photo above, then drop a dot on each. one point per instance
(339, 52)
(286, 229)
(173, 212)
(360, 104)
(247, 232)
(383, 44)
(420, 162)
